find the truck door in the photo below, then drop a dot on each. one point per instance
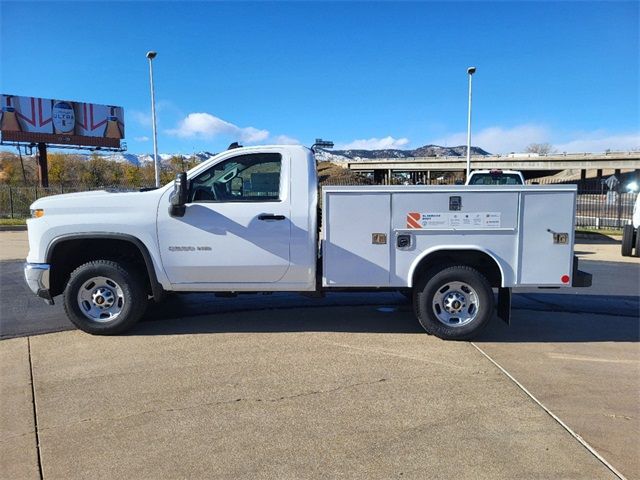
(236, 227)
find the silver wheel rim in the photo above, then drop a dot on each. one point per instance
(101, 299)
(456, 304)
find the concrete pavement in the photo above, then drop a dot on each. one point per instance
(15, 245)
(213, 403)
(308, 393)
(591, 382)
(18, 452)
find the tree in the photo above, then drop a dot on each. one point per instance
(132, 176)
(540, 148)
(58, 171)
(95, 171)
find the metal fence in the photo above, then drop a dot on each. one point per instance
(595, 208)
(15, 201)
(604, 210)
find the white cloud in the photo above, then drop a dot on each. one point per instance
(143, 138)
(499, 139)
(205, 125)
(516, 139)
(599, 141)
(285, 140)
(374, 144)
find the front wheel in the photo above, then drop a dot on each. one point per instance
(104, 297)
(455, 303)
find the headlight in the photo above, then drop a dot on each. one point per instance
(37, 213)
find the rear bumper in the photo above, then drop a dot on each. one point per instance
(580, 278)
(37, 277)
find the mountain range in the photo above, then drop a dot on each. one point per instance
(342, 156)
(335, 156)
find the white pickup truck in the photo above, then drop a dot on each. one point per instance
(248, 220)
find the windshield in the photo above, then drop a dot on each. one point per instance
(495, 179)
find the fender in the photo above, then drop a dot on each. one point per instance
(156, 287)
(428, 252)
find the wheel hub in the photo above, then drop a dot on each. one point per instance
(454, 302)
(103, 298)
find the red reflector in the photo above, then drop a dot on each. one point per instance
(565, 278)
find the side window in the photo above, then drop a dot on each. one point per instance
(245, 178)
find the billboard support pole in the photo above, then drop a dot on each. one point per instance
(43, 170)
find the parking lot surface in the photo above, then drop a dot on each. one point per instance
(214, 403)
(287, 387)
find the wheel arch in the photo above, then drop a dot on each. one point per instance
(71, 250)
(483, 260)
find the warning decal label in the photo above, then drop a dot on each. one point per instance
(416, 220)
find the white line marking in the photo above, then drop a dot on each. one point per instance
(582, 441)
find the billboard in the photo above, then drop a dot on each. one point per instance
(60, 122)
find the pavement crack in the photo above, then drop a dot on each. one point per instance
(35, 409)
(226, 402)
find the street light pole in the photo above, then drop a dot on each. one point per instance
(470, 72)
(151, 55)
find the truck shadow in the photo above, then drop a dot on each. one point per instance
(536, 318)
(560, 327)
(595, 238)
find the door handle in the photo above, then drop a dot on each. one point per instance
(269, 216)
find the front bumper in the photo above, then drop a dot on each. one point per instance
(37, 277)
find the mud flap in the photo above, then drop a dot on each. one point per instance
(580, 278)
(504, 305)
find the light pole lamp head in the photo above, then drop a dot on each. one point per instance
(471, 70)
(151, 55)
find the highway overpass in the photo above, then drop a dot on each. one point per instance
(532, 165)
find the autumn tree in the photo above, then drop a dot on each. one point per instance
(132, 176)
(95, 171)
(58, 169)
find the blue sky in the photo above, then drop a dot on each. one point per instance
(361, 74)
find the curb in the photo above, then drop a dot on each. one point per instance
(13, 228)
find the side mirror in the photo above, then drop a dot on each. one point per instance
(178, 198)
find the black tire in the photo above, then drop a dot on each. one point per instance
(627, 241)
(432, 284)
(637, 242)
(131, 292)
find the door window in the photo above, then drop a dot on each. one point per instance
(245, 178)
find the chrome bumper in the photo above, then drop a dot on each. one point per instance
(37, 277)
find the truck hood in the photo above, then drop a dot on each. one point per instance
(83, 202)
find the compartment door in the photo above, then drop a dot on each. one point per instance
(352, 258)
(543, 261)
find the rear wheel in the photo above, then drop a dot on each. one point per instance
(627, 241)
(104, 297)
(455, 303)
